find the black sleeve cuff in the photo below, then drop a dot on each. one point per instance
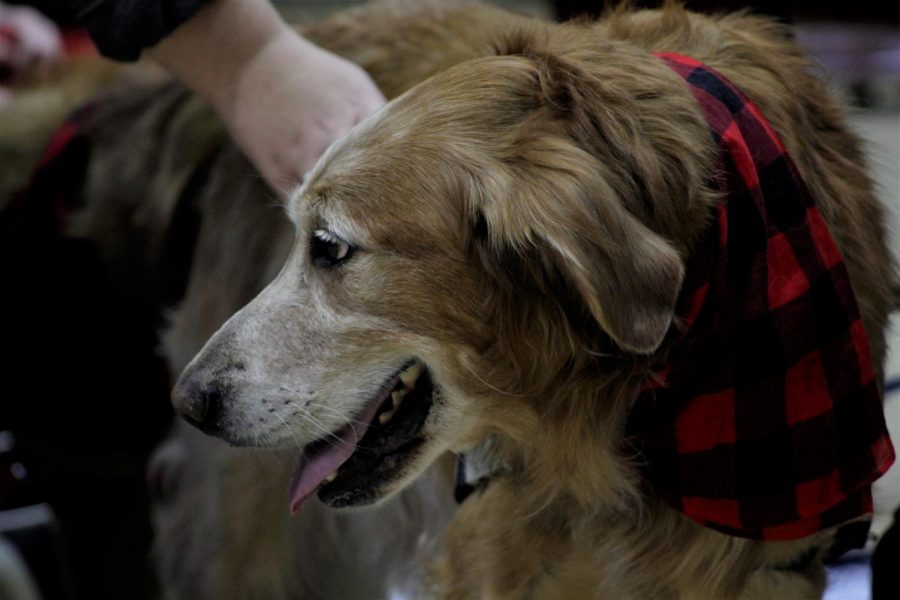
(122, 28)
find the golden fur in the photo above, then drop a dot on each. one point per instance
(575, 167)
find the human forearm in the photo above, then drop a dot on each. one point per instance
(283, 99)
(210, 51)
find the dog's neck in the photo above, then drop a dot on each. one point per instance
(574, 448)
(479, 466)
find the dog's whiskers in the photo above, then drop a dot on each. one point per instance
(496, 389)
(305, 413)
(263, 451)
(331, 438)
(290, 430)
(332, 411)
(336, 413)
(595, 353)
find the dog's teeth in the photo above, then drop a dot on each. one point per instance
(386, 416)
(330, 478)
(409, 376)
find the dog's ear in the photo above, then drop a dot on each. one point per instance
(625, 274)
(578, 193)
(628, 276)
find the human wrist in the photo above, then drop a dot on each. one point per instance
(210, 52)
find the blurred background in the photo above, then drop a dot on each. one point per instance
(85, 392)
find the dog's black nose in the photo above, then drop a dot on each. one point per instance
(201, 406)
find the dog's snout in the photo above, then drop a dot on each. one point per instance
(200, 405)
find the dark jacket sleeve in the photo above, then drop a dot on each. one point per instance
(122, 28)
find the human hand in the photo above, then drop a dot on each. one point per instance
(27, 40)
(290, 102)
(283, 99)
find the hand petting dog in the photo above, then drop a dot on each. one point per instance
(283, 98)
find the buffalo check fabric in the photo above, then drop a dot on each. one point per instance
(766, 420)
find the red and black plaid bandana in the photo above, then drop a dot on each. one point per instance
(766, 421)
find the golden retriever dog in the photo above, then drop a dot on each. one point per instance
(493, 263)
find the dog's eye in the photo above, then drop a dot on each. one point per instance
(328, 250)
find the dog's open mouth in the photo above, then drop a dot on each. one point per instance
(346, 466)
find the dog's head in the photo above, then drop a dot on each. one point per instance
(456, 253)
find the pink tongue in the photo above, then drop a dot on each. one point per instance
(315, 467)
